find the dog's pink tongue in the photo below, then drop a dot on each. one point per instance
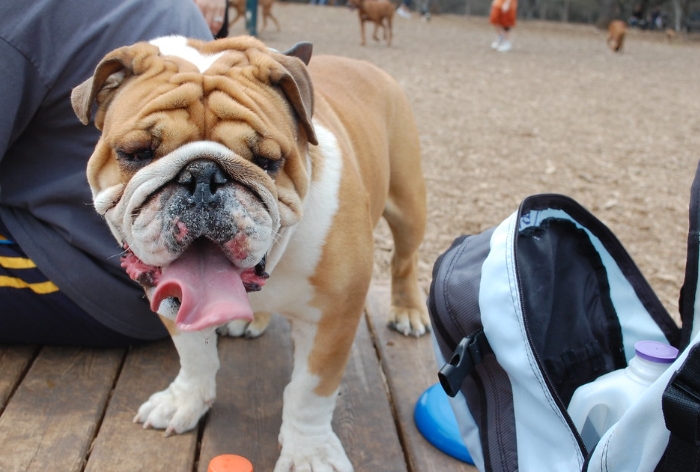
(209, 288)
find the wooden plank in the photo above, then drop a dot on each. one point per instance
(410, 368)
(50, 421)
(248, 413)
(123, 446)
(363, 418)
(14, 362)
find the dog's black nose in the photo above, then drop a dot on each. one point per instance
(202, 179)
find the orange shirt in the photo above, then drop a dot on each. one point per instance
(499, 17)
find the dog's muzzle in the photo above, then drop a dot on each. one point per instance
(202, 178)
(198, 224)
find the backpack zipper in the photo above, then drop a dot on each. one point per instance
(545, 375)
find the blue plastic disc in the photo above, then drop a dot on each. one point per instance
(437, 423)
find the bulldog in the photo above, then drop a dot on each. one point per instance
(242, 181)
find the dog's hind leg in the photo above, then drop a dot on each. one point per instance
(362, 31)
(274, 20)
(407, 314)
(233, 22)
(388, 30)
(374, 33)
(405, 212)
(239, 9)
(267, 13)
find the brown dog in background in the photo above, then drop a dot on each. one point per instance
(379, 12)
(266, 7)
(616, 35)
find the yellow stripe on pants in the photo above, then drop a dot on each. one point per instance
(16, 263)
(42, 288)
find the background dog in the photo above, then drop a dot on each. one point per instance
(379, 12)
(240, 180)
(239, 7)
(616, 35)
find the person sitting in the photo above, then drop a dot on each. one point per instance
(60, 275)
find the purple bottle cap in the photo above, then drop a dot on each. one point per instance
(656, 352)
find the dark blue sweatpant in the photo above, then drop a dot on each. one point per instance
(34, 311)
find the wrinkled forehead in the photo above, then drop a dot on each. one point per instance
(185, 74)
(241, 51)
(179, 46)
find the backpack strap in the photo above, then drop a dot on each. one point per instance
(689, 289)
(681, 408)
(681, 399)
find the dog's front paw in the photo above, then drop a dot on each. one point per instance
(242, 328)
(409, 321)
(176, 409)
(318, 453)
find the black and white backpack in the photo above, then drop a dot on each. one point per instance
(549, 300)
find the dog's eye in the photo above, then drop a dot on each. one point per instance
(271, 166)
(137, 157)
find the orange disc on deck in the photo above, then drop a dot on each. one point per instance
(230, 463)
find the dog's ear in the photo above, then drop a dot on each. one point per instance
(295, 82)
(301, 50)
(110, 73)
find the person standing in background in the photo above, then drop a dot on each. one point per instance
(503, 17)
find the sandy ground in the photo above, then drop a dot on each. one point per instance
(620, 133)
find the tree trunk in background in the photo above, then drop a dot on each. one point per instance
(644, 5)
(685, 11)
(677, 14)
(607, 13)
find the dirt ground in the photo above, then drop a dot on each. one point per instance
(619, 133)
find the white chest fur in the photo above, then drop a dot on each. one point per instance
(296, 254)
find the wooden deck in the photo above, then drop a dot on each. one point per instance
(71, 409)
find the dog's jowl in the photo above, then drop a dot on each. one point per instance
(241, 182)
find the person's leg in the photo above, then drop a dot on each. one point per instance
(495, 20)
(507, 21)
(425, 10)
(499, 37)
(505, 44)
(34, 311)
(404, 10)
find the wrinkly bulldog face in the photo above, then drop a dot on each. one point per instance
(201, 162)
(200, 190)
(200, 141)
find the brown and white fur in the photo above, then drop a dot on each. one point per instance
(616, 35)
(303, 161)
(239, 7)
(379, 12)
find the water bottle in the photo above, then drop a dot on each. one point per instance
(597, 405)
(230, 463)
